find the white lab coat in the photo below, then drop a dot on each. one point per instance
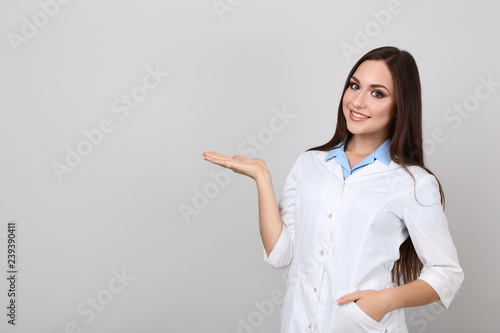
(343, 236)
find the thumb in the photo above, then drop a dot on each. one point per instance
(238, 157)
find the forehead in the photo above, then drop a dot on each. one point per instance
(374, 72)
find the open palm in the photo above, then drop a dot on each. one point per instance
(251, 167)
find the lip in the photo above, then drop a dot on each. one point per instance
(351, 116)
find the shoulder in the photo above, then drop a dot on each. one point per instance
(406, 177)
(415, 181)
(422, 176)
(312, 159)
(312, 156)
(419, 173)
(427, 189)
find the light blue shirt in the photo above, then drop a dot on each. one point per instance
(382, 154)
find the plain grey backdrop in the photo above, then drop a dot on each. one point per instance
(106, 107)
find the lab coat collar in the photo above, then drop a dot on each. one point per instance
(382, 154)
(370, 169)
(379, 165)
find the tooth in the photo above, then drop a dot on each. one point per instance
(357, 115)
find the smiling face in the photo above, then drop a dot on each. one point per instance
(369, 101)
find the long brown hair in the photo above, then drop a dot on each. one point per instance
(405, 134)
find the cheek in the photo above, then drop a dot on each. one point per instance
(347, 98)
(385, 111)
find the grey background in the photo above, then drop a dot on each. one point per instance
(120, 209)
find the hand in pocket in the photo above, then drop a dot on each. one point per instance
(371, 302)
(371, 309)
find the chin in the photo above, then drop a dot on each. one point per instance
(354, 131)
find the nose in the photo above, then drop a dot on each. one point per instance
(359, 101)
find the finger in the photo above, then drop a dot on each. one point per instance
(219, 159)
(213, 154)
(348, 298)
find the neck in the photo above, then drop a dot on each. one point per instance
(364, 144)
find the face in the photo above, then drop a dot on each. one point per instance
(369, 101)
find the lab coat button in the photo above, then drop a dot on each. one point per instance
(310, 326)
(315, 289)
(321, 252)
(330, 216)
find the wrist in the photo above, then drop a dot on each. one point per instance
(262, 176)
(390, 299)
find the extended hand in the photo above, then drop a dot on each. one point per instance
(374, 303)
(251, 167)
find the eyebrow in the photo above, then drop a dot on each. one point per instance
(371, 85)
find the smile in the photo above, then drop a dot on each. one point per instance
(355, 116)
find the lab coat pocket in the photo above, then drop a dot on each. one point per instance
(365, 317)
(350, 318)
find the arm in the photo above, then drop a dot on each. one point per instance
(441, 275)
(270, 223)
(415, 293)
(275, 231)
(428, 228)
(377, 303)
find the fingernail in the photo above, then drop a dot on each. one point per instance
(339, 301)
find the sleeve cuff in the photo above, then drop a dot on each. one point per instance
(280, 256)
(446, 291)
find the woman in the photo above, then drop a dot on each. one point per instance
(360, 219)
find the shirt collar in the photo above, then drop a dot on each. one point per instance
(382, 153)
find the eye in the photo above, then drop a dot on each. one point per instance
(378, 94)
(353, 85)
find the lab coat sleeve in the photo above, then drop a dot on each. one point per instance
(428, 228)
(282, 254)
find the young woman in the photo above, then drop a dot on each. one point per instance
(360, 219)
